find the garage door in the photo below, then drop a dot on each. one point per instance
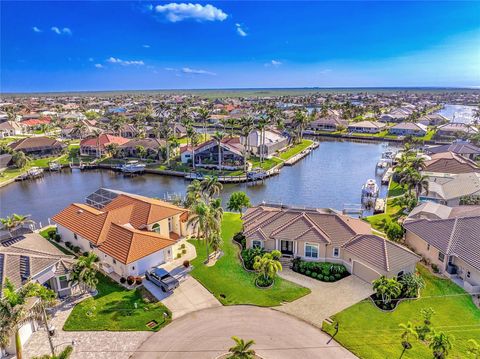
(365, 273)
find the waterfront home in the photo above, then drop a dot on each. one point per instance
(10, 128)
(432, 210)
(326, 236)
(80, 129)
(129, 233)
(97, 146)
(206, 154)
(128, 130)
(31, 258)
(152, 147)
(455, 130)
(329, 123)
(433, 119)
(267, 143)
(452, 189)
(449, 162)
(408, 129)
(38, 146)
(397, 115)
(5, 161)
(367, 127)
(452, 245)
(463, 148)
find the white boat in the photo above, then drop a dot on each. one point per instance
(54, 166)
(133, 167)
(35, 172)
(370, 189)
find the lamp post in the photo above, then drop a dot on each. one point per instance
(333, 336)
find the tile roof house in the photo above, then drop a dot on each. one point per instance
(452, 244)
(96, 146)
(10, 128)
(129, 233)
(367, 127)
(465, 149)
(408, 129)
(206, 154)
(328, 123)
(454, 130)
(272, 142)
(451, 189)
(325, 235)
(432, 210)
(449, 162)
(151, 145)
(38, 146)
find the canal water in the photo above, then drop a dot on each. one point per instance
(458, 113)
(331, 176)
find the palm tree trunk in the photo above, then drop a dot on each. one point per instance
(18, 344)
(219, 157)
(403, 351)
(193, 157)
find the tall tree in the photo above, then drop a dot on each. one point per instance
(84, 271)
(218, 137)
(238, 201)
(247, 128)
(204, 114)
(387, 288)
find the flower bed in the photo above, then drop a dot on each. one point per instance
(323, 271)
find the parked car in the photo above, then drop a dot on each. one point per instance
(161, 278)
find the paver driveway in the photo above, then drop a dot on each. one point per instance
(325, 299)
(206, 334)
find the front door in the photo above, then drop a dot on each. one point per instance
(286, 247)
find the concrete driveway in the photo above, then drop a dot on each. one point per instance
(207, 334)
(325, 299)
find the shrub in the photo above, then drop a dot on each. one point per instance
(308, 272)
(313, 275)
(326, 272)
(57, 237)
(296, 263)
(320, 277)
(85, 254)
(337, 275)
(435, 268)
(248, 256)
(77, 249)
(179, 255)
(123, 280)
(264, 282)
(186, 263)
(130, 279)
(182, 246)
(394, 231)
(302, 270)
(326, 278)
(184, 251)
(138, 280)
(51, 233)
(411, 284)
(68, 245)
(332, 278)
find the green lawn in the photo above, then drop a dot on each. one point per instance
(267, 164)
(294, 150)
(44, 234)
(394, 211)
(396, 189)
(230, 283)
(113, 309)
(370, 333)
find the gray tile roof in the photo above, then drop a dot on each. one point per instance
(446, 186)
(458, 237)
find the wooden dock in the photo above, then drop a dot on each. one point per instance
(299, 156)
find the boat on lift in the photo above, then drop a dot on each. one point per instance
(35, 172)
(370, 189)
(133, 167)
(54, 166)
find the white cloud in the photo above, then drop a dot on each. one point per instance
(240, 31)
(188, 70)
(175, 12)
(64, 31)
(116, 60)
(36, 29)
(146, 46)
(99, 66)
(274, 63)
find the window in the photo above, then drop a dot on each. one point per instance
(428, 246)
(257, 244)
(156, 228)
(133, 267)
(468, 274)
(441, 256)
(75, 236)
(63, 281)
(336, 252)
(311, 251)
(114, 261)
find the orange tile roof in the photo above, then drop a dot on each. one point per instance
(103, 140)
(117, 229)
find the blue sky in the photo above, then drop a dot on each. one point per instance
(61, 46)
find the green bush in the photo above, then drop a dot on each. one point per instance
(337, 275)
(320, 277)
(51, 234)
(308, 272)
(57, 237)
(240, 238)
(314, 275)
(248, 256)
(302, 270)
(332, 278)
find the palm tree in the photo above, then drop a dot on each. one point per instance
(387, 288)
(141, 151)
(247, 127)
(299, 122)
(408, 333)
(241, 349)
(200, 222)
(194, 193)
(84, 271)
(20, 159)
(219, 136)
(204, 114)
(14, 313)
(440, 343)
(230, 122)
(211, 187)
(268, 265)
(261, 125)
(238, 200)
(14, 221)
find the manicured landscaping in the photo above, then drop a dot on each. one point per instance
(230, 283)
(113, 309)
(370, 333)
(295, 150)
(396, 189)
(267, 163)
(324, 271)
